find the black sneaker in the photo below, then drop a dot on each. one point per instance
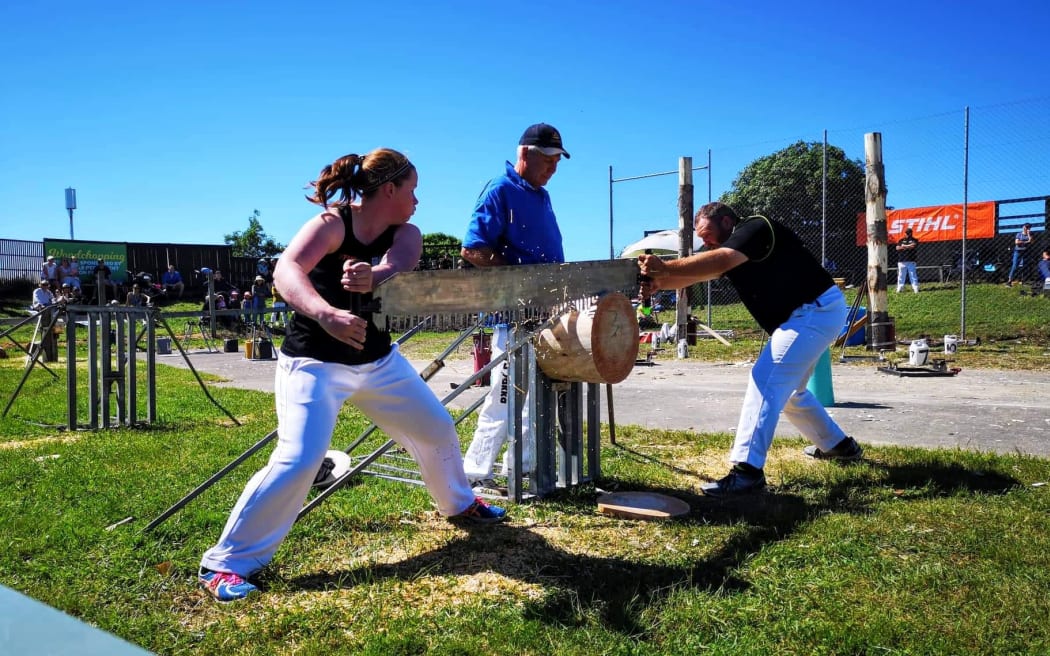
(738, 482)
(488, 486)
(846, 450)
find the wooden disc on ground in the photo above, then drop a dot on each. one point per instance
(641, 505)
(597, 345)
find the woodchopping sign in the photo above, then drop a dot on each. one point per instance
(938, 223)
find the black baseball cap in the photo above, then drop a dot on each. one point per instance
(545, 137)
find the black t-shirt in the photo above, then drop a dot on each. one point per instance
(907, 254)
(306, 337)
(780, 274)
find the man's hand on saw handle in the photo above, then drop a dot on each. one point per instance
(650, 270)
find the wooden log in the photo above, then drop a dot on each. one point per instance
(597, 345)
(882, 326)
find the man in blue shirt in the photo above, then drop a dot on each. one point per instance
(513, 223)
(171, 281)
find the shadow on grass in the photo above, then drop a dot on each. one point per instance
(619, 589)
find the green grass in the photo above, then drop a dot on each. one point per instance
(908, 552)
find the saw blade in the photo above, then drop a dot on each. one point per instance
(501, 289)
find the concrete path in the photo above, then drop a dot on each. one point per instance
(985, 410)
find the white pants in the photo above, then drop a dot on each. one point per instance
(492, 431)
(309, 394)
(907, 270)
(778, 381)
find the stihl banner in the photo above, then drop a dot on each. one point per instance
(939, 223)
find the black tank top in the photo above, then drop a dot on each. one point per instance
(306, 337)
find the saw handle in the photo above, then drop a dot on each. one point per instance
(647, 299)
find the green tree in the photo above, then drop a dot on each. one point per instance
(253, 242)
(787, 186)
(440, 251)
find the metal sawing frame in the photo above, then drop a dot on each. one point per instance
(560, 462)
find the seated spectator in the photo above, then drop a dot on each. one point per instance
(220, 303)
(220, 284)
(136, 298)
(65, 273)
(1044, 267)
(42, 296)
(70, 294)
(234, 303)
(171, 281)
(49, 271)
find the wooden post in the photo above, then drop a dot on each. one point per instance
(685, 238)
(883, 334)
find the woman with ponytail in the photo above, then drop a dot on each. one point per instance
(334, 353)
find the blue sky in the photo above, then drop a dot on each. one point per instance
(174, 121)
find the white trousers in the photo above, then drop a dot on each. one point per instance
(906, 271)
(778, 381)
(309, 394)
(492, 430)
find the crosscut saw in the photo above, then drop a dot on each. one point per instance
(504, 289)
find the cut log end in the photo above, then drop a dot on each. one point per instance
(598, 345)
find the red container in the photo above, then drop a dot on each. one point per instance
(482, 356)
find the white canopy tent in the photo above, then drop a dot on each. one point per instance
(664, 242)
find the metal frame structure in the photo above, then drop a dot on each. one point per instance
(113, 337)
(565, 455)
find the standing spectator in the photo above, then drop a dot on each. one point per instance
(105, 286)
(1021, 243)
(172, 281)
(277, 317)
(246, 308)
(513, 223)
(260, 292)
(42, 296)
(332, 356)
(49, 271)
(907, 248)
(74, 273)
(797, 303)
(262, 268)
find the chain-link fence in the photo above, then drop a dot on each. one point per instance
(993, 161)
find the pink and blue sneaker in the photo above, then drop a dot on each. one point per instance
(225, 586)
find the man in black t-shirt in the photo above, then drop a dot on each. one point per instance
(907, 248)
(794, 300)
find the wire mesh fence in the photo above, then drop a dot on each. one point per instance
(965, 182)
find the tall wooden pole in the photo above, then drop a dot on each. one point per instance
(883, 333)
(685, 236)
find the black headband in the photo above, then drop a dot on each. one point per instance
(393, 176)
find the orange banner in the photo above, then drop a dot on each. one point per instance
(938, 223)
